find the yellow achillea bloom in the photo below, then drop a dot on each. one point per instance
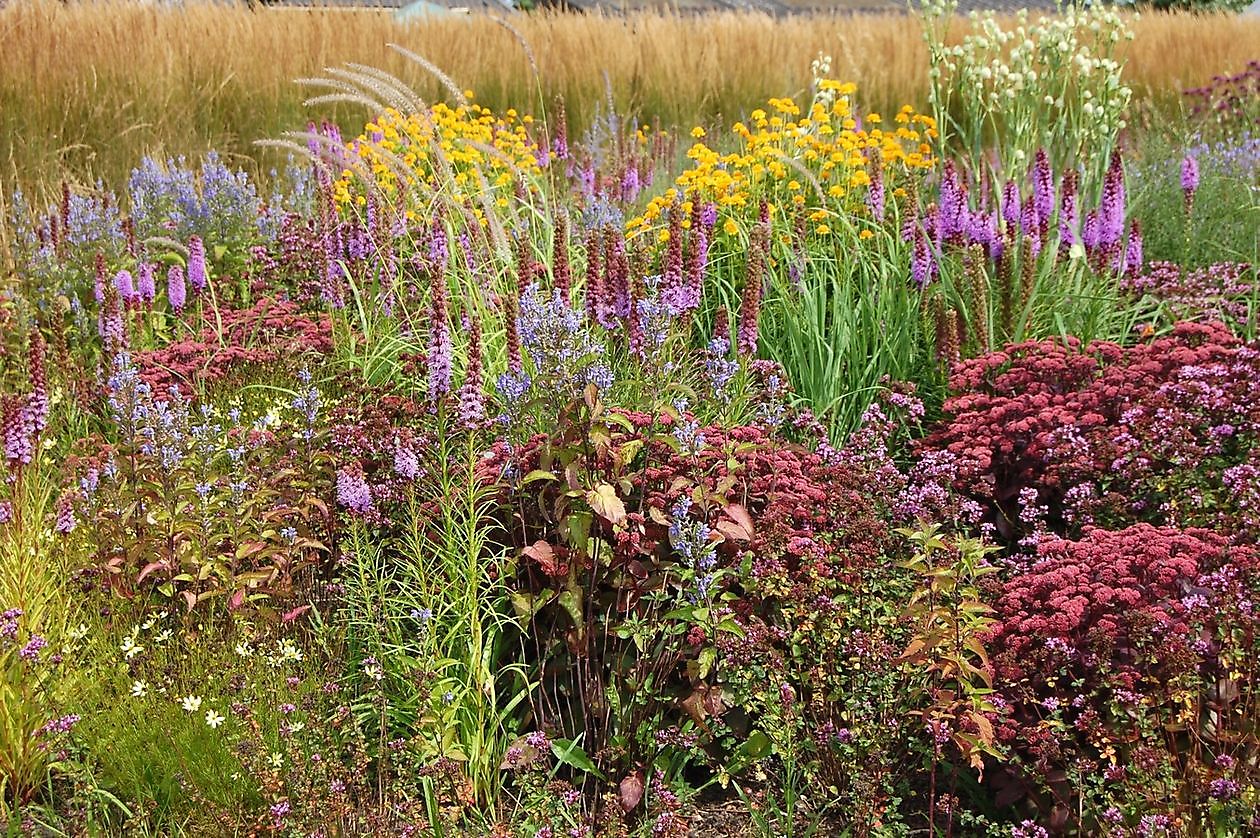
(816, 159)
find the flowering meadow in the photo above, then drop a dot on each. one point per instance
(495, 472)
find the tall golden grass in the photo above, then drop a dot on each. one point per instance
(86, 88)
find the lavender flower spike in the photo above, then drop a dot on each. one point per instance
(196, 264)
(176, 293)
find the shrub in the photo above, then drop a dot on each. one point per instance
(1122, 657)
(233, 343)
(1052, 435)
(196, 503)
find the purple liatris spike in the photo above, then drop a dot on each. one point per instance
(750, 305)
(196, 264)
(1069, 213)
(406, 464)
(1133, 257)
(176, 292)
(630, 183)
(1189, 180)
(697, 258)
(921, 260)
(875, 191)
(110, 323)
(1010, 205)
(1091, 236)
(953, 206)
(439, 355)
(673, 291)
(472, 401)
(353, 492)
(98, 289)
(1111, 212)
(1043, 192)
(1189, 173)
(439, 250)
(593, 290)
(66, 521)
(146, 284)
(125, 285)
(618, 272)
(19, 445)
(37, 403)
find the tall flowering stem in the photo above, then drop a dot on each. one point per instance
(594, 276)
(439, 355)
(750, 305)
(472, 403)
(197, 271)
(1189, 181)
(560, 255)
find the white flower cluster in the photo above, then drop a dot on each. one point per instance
(1054, 83)
(820, 68)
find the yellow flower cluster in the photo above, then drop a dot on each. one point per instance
(462, 150)
(815, 160)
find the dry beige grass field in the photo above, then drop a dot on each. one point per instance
(85, 89)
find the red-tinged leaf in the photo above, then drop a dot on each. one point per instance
(237, 600)
(191, 599)
(290, 616)
(149, 568)
(741, 523)
(630, 791)
(544, 555)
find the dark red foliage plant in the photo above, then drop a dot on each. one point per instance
(1053, 436)
(643, 540)
(1128, 656)
(234, 341)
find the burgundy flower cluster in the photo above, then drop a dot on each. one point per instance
(1052, 435)
(1110, 652)
(1111, 607)
(270, 332)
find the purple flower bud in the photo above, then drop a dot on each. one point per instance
(1189, 174)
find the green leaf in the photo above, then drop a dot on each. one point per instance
(538, 474)
(568, 752)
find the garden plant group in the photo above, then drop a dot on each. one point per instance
(497, 472)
